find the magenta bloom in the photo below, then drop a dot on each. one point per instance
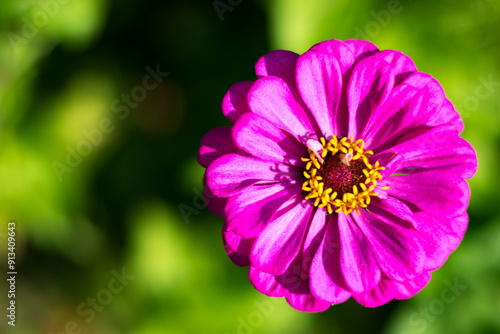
(343, 175)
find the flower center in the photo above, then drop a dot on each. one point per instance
(339, 174)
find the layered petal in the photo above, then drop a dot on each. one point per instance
(400, 63)
(341, 51)
(442, 234)
(409, 288)
(272, 99)
(346, 58)
(381, 294)
(361, 49)
(255, 206)
(439, 150)
(297, 292)
(312, 241)
(426, 149)
(435, 243)
(425, 81)
(433, 191)
(237, 248)
(295, 280)
(458, 225)
(280, 242)
(302, 300)
(406, 109)
(215, 144)
(278, 63)
(448, 116)
(266, 283)
(215, 205)
(371, 82)
(231, 173)
(262, 139)
(327, 281)
(235, 102)
(319, 81)
(437, 236)
(359, 267)
(394, 243)
(397, 208)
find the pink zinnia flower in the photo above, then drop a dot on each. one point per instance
(343, 175)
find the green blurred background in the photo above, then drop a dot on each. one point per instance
(65, 65)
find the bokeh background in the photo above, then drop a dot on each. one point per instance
(66, 68)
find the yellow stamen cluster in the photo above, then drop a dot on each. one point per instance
(361, 193)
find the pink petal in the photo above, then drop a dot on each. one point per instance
(401, 64)
(360, 48)
(406, 109)
(459, 225)
(434, 191)
(306, 302)
(436, 235)
(427, 149)
(381, 294)
(435, 243)
(282, 64)
(432, 87)
(319, 81)
(409, 288)
(296, 277)
(420, 80)
(215, 205)
(296, 281)
(280, 242)
(443, 235)
(232, 173)
(315, 233)
(327, 281)
(297, 292)
(237, 247)
(262, 139)
(216, 143)
(346, 60)
(359, 267)
(448, 115)
(248, 212)
(440, 150)
(290, 285)
(235, 102)
(393, 241)
(266, 283)
(395, 207)
(272, 99)
(370, 84)
(341, 51)
(278, 63)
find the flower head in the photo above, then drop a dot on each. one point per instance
(342, 175)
